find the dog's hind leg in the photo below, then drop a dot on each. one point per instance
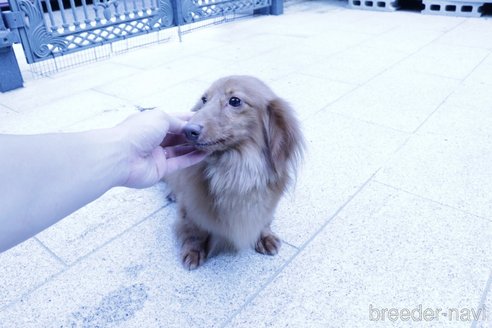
(268, 243)
(193, 242)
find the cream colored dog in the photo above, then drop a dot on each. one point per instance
(255, 145)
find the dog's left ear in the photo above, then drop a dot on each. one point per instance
(285, 139)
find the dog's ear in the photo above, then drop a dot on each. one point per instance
(197, 107)
(285, 140)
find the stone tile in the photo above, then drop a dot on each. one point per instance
(374, 23)
(45, 91)
(485, 318)
(449, 168)
(249, 47)
(264, 70)
(342, 154)
(306, 24)
(94, 74)
(386, 249)
(229, 33)
(60, 113)
(137, 280)
(445, 60)
(178, 98)
(6, 114)
(309, 94)
(24, 268)
(139, 86)
(164, 53)
(318, 17)
(106, 119)
(275, 64)
(483, 72)
(332, 41)
(446, 161)
(399, 99)
(472, 96)
(470, 33)
(99, 222)
(453, 121)
(405, 38)
(425, 23)
(356, 65)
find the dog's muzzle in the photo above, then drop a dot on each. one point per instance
(192, 131)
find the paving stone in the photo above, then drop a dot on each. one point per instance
(386, 249)
(446, 168)
(63, 112)
(43, 92)
(445, 60)
(399, 98)
(138, 280)
(101, 221)
(24, 268)
(342, 154)
(356, 65)
(303, 92)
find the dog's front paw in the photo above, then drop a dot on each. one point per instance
(193, 258)
(268, 244)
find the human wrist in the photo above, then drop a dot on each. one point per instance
(115, 150)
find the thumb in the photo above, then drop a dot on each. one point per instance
(184, 161)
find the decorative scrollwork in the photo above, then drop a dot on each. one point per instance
(164, 14)
(105, 5)
(188, 7)
(41, 41)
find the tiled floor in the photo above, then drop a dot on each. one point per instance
(392, 209)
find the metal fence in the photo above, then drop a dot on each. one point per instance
(48, 29)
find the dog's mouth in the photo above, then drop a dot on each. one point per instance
(209, 144)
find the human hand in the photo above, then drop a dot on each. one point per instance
(156, 147)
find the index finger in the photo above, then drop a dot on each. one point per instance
(185, 116)
(173, 139)
(176, 124)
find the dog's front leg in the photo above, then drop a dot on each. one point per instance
(268, 243)
(193, 243)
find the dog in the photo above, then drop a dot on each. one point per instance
(254, 146)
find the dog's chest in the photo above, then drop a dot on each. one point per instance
(242, 204)
(233, 175)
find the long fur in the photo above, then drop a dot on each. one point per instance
(228, 200)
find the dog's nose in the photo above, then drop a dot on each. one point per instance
(192, 131)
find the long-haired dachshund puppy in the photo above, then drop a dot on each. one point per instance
(254, 145)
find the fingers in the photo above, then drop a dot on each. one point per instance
(178, 121)
(184, 116)
(170, 123)
(175, 124)
(175, 134)
(181, 162)
(179, 150)
(172, 139)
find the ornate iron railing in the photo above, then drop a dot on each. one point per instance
(50, 28)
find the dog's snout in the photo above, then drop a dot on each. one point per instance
(192, 131)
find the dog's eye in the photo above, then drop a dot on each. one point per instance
(235, 102)
(204, 99)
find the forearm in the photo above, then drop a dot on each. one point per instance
(55, 174)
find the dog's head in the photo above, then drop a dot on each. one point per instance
(241, 113)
